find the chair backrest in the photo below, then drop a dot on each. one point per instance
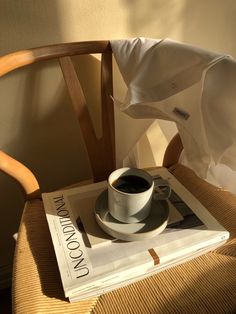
(101, 151)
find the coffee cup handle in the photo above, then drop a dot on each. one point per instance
(158, 193)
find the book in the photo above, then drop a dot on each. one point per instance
(92, 262)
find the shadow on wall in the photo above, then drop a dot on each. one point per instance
(27, 24)
(47, 136)
(154, 18)
(207, 24)
(210, 24)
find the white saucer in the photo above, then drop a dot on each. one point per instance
(154, 224)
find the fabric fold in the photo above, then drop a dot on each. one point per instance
(191, 86)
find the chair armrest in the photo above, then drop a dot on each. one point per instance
(173, 151)
(21, 174)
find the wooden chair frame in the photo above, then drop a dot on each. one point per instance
(103, 148)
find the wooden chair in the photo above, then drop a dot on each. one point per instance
(204, 285)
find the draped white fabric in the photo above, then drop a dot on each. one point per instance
(193, 87)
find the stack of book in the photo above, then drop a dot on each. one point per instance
(92, 263)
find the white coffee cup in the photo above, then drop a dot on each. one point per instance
(130, 194)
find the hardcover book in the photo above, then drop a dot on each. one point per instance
(92, 262)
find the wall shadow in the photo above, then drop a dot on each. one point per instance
(210, 25)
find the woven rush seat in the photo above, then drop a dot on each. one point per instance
(206, 284)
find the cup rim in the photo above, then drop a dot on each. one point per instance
(123, 170)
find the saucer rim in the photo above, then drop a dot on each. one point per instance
(124, 235)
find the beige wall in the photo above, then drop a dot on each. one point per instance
(35, 103)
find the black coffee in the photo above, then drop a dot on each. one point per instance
(131, 184)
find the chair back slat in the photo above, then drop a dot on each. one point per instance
(81, 110)
(78, 101)
(73, 84)
(108, 123)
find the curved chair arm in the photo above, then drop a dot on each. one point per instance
(173, 151)
(21, 174)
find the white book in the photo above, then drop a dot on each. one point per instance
(88, 270)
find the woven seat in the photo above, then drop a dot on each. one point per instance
(206, 284)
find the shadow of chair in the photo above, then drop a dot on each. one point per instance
(206, 284)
